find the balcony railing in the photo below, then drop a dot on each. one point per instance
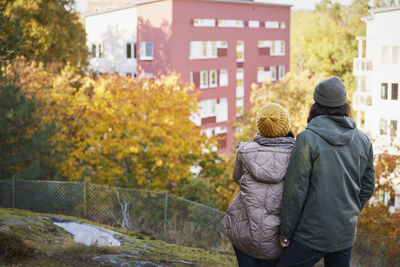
(362, 66)
(361, 100)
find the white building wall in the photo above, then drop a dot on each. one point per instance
(113, 30)
(382, 32)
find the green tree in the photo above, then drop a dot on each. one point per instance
(24, 148)
(52, 31)
(10, 38)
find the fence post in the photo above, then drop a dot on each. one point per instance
(13, 192)
(84, 198)
(165, 211)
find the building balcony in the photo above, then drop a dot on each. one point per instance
(362, 66)
(362, 100)
(208, 120)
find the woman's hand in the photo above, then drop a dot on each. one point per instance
(285, 243)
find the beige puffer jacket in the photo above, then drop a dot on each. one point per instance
(253, 218)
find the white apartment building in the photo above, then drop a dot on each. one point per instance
(377, 71)
(111, 39)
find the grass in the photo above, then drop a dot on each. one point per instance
(52, 246)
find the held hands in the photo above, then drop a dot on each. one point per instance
(285, 243)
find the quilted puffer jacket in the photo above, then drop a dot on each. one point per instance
(253, 218)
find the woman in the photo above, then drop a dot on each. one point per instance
(252, 219)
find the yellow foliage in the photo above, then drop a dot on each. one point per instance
(294, 93)
(119, 131)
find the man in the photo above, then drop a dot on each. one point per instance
(330, 178)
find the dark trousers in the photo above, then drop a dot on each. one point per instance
(297, 254)
(245, 260)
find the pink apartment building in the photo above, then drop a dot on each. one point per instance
(222, 46)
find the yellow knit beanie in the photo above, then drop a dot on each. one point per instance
(273, 121)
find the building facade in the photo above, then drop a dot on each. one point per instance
(221, 46)
(377, 71)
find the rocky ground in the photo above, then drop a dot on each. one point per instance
(32, 239)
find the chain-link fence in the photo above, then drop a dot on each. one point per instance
(160, 214)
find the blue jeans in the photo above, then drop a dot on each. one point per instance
(297, 254)
(245, 260)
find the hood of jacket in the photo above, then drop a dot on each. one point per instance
(266, 159)
(336, 130)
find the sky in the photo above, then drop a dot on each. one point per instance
(297, 4)
(310, 4)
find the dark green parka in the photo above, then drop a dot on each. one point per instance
(330, 178)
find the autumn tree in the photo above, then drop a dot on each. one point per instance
(52, 31)
(330, 45)
(294, 93)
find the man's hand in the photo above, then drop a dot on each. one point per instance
(285, 243)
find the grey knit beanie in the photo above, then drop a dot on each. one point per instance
(330, 92)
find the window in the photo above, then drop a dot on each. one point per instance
(272, 24)
(239, 78)
(191, 80)
(272, 70)
(384, 91)
(101, 51)
(393, 128)
(203, 79)
(93, 52)
(383, 127)
(204, 22)
(231, 23)
(239, 51)
(281, 72)
(278, 48)
(222, 44)
(254, 24)
(213, 79)
(129, 74)
(395, 91)
(208, 108)
(283, 25)
(264, 44)
(203, 49)
(385, 55)
(263, 75)
(240, 91)
(239, 106)
(134, 50)
(128, 50)
(395, 55)
(146, 50)
(223, 78)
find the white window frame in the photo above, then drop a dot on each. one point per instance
(144, 51)
(264, 43)
(203, 82)
(222, 44)
(254, 24)
(281, 72)
(203, 49)
(230, 23)
(215, 83)
(282, 25)
(239, 49)
(239, 77)
(272, 69)
(223, 78)
(204, 22)
(278, 48)
(272, 24)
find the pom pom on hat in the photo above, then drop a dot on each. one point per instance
(273, 121)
